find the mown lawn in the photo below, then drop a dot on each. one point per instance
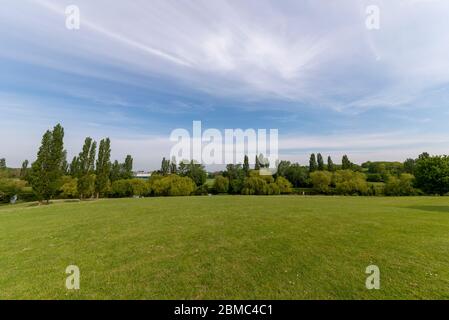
(227, 247)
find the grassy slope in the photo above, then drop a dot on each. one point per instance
(227, 247)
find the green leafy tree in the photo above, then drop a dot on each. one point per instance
(221, 184)
(409, 166)
(402, 186)
(127, 172)
(348, 182)
(69, 188)
(432, 174)
(321, 181)
(236, 176)
(285, 187)
(74, 167)
(116, 171)
(103, 168)
(345, 163)
(312, 163)
(165, 167)
(172, 185)
(320, 162)
(255, 186)
(194, 171)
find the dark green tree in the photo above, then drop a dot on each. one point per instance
(173, 166)
(86, 178)
(320, 162)
(194, 171)
(257, 164)
(409, 166)
(246, 165)
(345, 163)
(74, 168)
(116, 171)
(127, 172)
(330, 164)
(24, 170)
(312, 163)
(2, 163)
(103, 168)
(165, 167)
(432, 174)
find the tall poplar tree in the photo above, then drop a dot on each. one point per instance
(312, 163)
(103, 168)
(320, 162)
(345, 163)
(128, 168)
(246, 165)
(330, 164)
(86, 176)
(257, 165)
(47, 170)
(165, 167)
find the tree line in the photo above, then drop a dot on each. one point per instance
(92, 174)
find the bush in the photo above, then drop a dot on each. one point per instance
(221, 184)
(172, 185)
(255, 186)
(202, 190)
(402, 186)
(348, 182)
(121, 189)
(321, 181)
(285, 187)
(374, 177)
(9, 188)
(69, 188)
(129, 188)
(273, 189)
(138, 187)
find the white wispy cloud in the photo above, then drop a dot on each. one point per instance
(291, 50)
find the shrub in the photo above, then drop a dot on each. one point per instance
(285, 187)
(321, 181)
(69, 188)
(9, 188)
(348, 182)
(202, 190)
(138, 187)
(402, 186)
(172, 185)
(221, 184)
(273, 189)
(255, 186)
(121, 189)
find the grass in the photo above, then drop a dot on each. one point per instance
(227, 247)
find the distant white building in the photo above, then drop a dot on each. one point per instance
(142, 175)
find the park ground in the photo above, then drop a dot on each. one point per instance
(227, 247)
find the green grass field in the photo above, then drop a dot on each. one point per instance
(227, 247)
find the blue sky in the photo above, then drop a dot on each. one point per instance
(136, 71)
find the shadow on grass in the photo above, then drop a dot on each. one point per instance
(431, 208)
